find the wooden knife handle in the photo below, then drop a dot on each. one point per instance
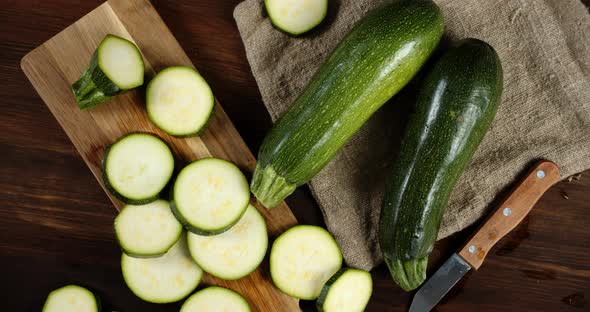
(510, 212)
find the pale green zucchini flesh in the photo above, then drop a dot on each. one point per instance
(215, 299)
(71, 298)
(164, 279)
(349, 290)
(209, 196)
(234, 253)
(296, 16)
(137, 167)
(179, 101)
(147, 230)
(302, 259)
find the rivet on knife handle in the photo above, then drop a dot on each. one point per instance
(510, 212)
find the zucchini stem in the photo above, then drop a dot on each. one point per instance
(86, 93)
(408, 274)
(269, 187)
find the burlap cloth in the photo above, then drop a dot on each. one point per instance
(544, 46)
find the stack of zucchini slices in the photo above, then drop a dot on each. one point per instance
(207, 223)
(225, 235)
(210, 198)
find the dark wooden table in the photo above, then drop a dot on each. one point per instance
(56, 222)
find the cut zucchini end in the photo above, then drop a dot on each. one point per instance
(215, 298)
(71, 298)
(145, 231)
(180, 101)
(302, 259)
(296, 17)
(115, 66)
(349, 290)
(120, 60)
(408, 274)
(210, 195)
(269, 187)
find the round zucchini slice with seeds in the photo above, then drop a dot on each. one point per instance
(215, 299)
(179, 101)
(302, 259)
(71, 298)
(164, 279)
(296, 16)
(209, 196)
(234, 253)
(349, 290)
(137, 167)
(147, 230)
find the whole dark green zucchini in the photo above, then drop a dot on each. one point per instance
(455, 107)
(372, 63)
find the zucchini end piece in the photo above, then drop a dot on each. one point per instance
(269, 187)
(87, 93)
(408, 274)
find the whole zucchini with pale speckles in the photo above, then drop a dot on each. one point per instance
(371, 64)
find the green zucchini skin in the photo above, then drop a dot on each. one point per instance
(455, 107)
(371, 64)
(93, 87)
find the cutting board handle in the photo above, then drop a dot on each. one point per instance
(510, 212)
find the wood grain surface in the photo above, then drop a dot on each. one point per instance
(56, 221)
(57, 63)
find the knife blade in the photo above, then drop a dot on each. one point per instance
(439, 284)
(503, 220)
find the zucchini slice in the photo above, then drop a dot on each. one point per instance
(296, 16)
(234, 253)
(302, 259)
(164, 279)
(71, 298)
(210, 195)
(349, 290)
(148, 230)
(215, 299)
(179, 101)
(137, 167)
(115, 66)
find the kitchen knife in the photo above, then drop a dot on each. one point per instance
(505, 218)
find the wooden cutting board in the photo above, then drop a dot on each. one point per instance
(56, 64)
